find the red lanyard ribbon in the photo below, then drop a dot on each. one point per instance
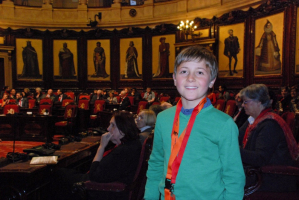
(178, 145)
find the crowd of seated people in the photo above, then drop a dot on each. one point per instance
(263, 138)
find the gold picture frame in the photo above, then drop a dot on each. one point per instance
(268, 46)
(29, 59)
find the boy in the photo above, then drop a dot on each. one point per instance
(204, 161)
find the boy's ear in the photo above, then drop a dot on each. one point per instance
(174, 79)
(212, 83)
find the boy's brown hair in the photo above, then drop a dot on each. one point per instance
(197, 53)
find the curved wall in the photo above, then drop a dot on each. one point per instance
(150, 14)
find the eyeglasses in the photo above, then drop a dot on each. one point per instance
(248, 101)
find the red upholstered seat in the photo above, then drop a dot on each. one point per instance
(220, 103)
(11, 109)
(230, 107)
(99, 105)
(48, 100)
(164, 99)
(69, 121)
(83, 104)
(66, 102)
(141, 105)
(289, 118)
(118, 99)
(12, 101)
(156, 103)
(31, 103)
(70, 95)
(252, 193)
(45, 107)
(85, 96)
(131, 98)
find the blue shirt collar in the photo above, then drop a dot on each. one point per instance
(189, 111)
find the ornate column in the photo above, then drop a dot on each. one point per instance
(116, 4)
(47, 9)
(83, 2)
(8, 8)
(82, 10)
(5, 53)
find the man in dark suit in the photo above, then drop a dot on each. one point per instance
(240, 116)
(60, 96)
(124, 102)
(97, 96)
(231, 49)
(49, 95)
(22, 102)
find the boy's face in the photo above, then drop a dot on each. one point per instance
(192, 80)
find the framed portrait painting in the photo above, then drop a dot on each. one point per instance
(163, 56)
(131, 58)
(29, 59)
(98, 60)
(65, 59)
(231, 50)
(268, 45)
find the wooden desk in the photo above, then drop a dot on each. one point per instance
(27, 127)
(27, 181)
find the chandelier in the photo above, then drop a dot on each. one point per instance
(187, 27)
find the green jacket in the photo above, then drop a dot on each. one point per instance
(211, 167)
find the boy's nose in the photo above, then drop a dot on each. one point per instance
(190, 77)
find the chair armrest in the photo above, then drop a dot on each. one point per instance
(284, 170)
(249, 172)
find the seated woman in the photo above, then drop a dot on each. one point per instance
(145, 121)
(265, 139)
(5, 100)
(285, 104)
(111, 98)
(119, 163)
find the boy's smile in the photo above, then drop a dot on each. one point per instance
(192, 80)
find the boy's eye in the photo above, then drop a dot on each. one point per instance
(200, 72)
(183, 72)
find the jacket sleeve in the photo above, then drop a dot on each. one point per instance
(117, 165)
(232, 169)
(155, 165)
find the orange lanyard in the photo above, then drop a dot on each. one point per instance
(178, 145)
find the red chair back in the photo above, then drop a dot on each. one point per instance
(47, 100)
(164, 99)
(230, 107)
(141, 105)
(177, 99)
(85, 96)
(31, 103)
(118, 98)
(43, 107)
(83, 104)
(156, 103)
(289, 118)
(220, 103)
(70, 94)
(66, 102)
(99, 105)
(12, 101)
(11, 109)
(131, 98)
(70, 111)
(142, 94)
